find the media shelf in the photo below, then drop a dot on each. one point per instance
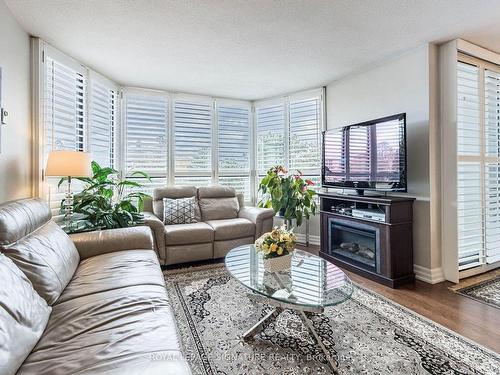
(369, 235)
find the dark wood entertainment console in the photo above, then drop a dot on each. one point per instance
(369, 235)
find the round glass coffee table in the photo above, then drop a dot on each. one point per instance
(309, 286)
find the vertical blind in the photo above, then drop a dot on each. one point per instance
(145, 131)
(233, 125)
(64, 117)
(478, 165)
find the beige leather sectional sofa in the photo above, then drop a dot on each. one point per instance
(223, 223)
(95, 303)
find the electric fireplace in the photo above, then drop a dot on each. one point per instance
(355, 243)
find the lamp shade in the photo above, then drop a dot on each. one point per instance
(68, 163)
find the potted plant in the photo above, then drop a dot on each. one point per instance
(277, 249)
(104, 202)
(289, 195)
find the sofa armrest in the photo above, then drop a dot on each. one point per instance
(261, 217)
(90, 244)
(158, 229)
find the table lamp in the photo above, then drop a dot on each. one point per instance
(68, 164)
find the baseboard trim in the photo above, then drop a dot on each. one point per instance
(428, 275)
(313, 240)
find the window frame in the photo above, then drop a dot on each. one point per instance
(286, 101)
(481, 158)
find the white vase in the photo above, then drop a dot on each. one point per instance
(277, 264)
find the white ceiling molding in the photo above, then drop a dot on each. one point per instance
(248, 49)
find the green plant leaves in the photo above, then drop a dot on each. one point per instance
(281, 190)
(102, 203)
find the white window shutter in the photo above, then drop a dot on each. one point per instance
(64, 117)
(193, 140)
(270, 135)
(102, 122)
(145, 127)
(492, 165)
(305, 135)
(468, 124)
(469, 176)
(478, 168)
(233, 124)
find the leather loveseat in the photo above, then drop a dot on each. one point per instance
(95, 303)
(223, 222)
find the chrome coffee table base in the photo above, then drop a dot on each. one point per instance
(279, 307)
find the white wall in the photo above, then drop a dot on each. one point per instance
(400, 84)
(15, 156)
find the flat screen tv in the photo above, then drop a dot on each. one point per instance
(366, 156)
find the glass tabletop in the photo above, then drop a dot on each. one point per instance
(311, 281)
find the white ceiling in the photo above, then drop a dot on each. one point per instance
(248, 49)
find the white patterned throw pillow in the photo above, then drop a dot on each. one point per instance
(179, 211)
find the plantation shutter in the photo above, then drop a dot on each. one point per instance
(64, 108)
(359, 153)
(233, 122)
(305, 136)
(270, 135)
(193, 141)
(145, 128)
(102, 122)
(469, 176)
(492, 165)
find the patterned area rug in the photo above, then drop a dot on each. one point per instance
(487, 291)
(366, 335)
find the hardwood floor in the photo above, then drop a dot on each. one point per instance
(472, 319)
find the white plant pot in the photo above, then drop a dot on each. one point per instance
(277, 264)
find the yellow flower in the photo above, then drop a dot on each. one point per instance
(275, 235)
(289, 245)
(265, 248)
(273, 247)
(285, 237)
(279, 251)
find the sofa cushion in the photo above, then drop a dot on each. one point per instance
(216, 191)
(232, 228)
(117, 331)
(20, 218)
(179, 211)
(23, 316)
(114, 270)
(48, 258)
(218, 208)
(183, 234)
(173, 192)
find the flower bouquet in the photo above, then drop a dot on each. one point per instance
(277, 248)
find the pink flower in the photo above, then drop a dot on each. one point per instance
(309, 182)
